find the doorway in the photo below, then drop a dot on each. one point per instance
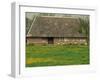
(50, 40)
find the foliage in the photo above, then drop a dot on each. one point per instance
(52, 55)
(28, 24)
(84, 27)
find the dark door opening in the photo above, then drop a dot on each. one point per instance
(50, 40)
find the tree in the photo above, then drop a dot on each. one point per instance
(28, 24)
(84, 27)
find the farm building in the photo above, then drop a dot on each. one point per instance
(55, 30)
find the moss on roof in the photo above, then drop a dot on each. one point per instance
(45, 26)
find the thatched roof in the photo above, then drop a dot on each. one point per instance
(55, 27)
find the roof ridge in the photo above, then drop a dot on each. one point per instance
(59, 17)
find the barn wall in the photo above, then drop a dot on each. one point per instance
(70, 41)
(57, 41)
(32, 40)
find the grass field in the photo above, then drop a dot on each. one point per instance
(53, 55)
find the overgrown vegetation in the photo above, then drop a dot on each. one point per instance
(53, 55)
(84, 27)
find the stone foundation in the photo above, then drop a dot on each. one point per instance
(69, 41)
(57, 41)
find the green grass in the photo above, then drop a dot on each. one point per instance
(53, 55)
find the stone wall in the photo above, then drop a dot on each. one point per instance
(70, 41)
(57, 41)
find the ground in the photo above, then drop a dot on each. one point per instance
(53, 55)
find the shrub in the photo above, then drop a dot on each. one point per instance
(30, 44)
